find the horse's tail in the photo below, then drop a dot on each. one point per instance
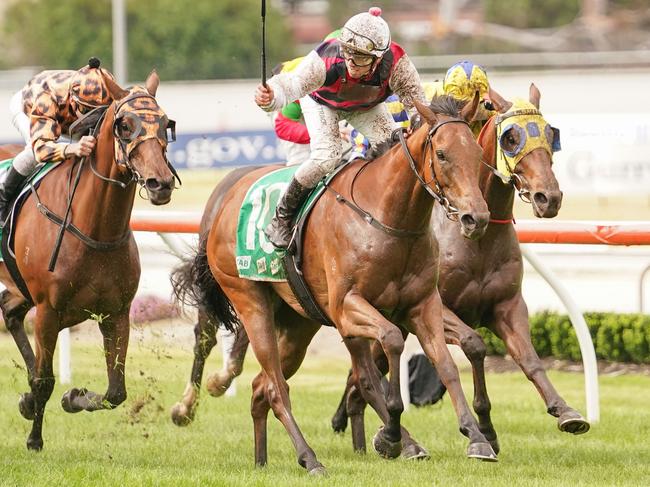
(194, 285)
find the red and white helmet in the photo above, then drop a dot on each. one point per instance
(366, 33)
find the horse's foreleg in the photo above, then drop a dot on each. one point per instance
(458, 333)
(219, 382)
(428, 326)
(205, 338)
(340, 418)
(42, 382)
(364, 387)
(115, 331)
(358, 318)
(14, 309)
(511, 325)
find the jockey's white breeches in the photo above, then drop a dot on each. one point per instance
(294, 153)
(24, 162)
(326, 149)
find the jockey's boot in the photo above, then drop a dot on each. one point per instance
(8, 191)
(279, 230)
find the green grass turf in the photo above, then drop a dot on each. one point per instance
(140, 446)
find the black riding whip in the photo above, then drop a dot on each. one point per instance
(59, 238)
(264, 43)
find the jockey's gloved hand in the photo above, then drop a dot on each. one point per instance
(82, 148)
(264, 96)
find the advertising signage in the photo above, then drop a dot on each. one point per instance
(225, 149)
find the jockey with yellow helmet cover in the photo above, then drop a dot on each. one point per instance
(344, 78)
(462, 81)
(45, 109)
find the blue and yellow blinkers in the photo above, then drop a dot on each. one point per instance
(533, 132)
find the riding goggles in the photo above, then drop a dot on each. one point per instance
(360, 42)
(533, 132)
(357, 58)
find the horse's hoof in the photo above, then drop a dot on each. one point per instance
(35, 444)
(573, 422)
(385, 447)
(181, 415)
(415, 452)
(495, 445)
(494, 441)
(218, 383)
(26, 406)
(339, 424)
(481, 451)
(318, 471)
(67, 400)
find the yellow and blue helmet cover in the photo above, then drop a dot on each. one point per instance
(464, 79)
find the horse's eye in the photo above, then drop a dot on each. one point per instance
(124, 127)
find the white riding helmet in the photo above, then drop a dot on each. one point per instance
(366, 33)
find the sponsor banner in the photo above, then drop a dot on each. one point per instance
(225, 149)
(221, 149)
(603, 154)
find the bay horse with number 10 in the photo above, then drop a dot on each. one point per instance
(98, 267)
(354, 270)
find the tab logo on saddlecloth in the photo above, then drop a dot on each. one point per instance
(243, 262)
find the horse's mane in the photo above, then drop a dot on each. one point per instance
(446, 105)
(440, 104)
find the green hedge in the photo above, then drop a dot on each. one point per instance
(616, 337)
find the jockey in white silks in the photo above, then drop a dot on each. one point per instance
(346, 78)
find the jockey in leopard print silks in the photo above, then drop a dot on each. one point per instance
(44, 110)
(344, 78)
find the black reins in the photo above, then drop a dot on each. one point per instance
(63, 222)
(437, 193)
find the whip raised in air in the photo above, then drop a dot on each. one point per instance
(264, 42)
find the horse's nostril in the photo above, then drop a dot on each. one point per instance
(468, 221)
(152, 184)
(540, 199)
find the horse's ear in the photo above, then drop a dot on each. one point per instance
(152, 82)
(469, 110)
(500, 104)
(426, 112)
(534, 95)
(114, 89)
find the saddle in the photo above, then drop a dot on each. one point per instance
(258, 259)
(8, 232)
(87, 124)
